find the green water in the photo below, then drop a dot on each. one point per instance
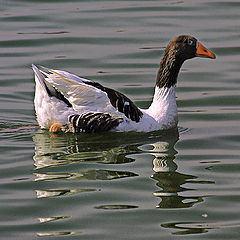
(178, 184)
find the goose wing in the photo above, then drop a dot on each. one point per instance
(85, 94)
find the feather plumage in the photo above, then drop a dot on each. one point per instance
(60, 94)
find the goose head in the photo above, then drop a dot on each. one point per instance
(179, 49)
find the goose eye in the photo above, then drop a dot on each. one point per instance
(190, 42)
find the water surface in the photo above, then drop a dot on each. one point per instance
(177, 184)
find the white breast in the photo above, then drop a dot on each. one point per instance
(162, 114)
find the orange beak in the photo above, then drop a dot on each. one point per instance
(204, 52)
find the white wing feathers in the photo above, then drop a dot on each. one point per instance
(79, 94)
(84, 95)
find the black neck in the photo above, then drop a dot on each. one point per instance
(168, 72)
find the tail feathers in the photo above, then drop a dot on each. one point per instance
(41, 79)
(48, 88)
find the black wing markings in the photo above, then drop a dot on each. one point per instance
(92, 122)
(122, 103)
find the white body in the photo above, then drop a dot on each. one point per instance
(162, 114)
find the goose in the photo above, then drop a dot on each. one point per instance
(68, 103)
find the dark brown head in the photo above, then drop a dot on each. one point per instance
(177, 51)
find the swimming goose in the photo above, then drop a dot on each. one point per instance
(66, 102)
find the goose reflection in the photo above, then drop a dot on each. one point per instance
(169, 181)
(55, 158)
(53, 151)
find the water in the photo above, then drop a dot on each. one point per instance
(177, 184)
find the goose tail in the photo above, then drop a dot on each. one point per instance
(40, 78)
